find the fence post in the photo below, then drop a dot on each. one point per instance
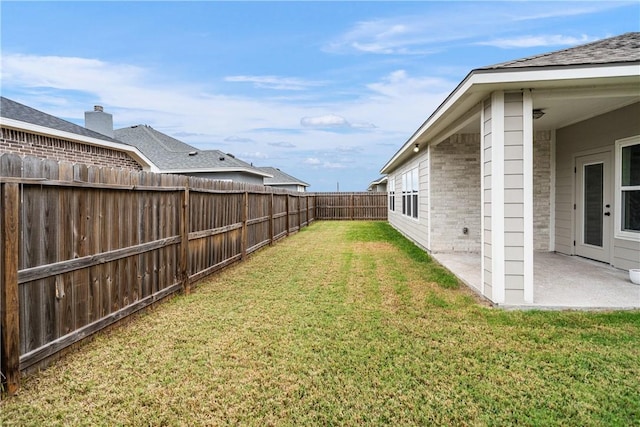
(245, 217)
(299, 212)
(185, 225)
(351, 207)
(271, 219)
(10, 310)
(287, 206)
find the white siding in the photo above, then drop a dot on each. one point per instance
(414, 229)
(514, 200)
(591, 135)
(487, 261)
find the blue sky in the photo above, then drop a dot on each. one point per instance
(325, 91)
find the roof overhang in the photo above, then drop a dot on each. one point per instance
(384, 179)
(379, 181)
(45, 131)
(463, 105)
(304, 184)
(218, 170)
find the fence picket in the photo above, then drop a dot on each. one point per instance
(100, 243)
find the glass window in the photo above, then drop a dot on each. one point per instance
(410, 187)
(392, 194)
(627, 180)
(593, 192)
(630, 179)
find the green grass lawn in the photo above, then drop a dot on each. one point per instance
(344, 323)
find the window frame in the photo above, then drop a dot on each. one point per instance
(410, 193)
(619, 233)
(391, 186)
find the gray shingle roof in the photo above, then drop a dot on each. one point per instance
(280, 178)
(620, 49)
(14, 110)
(171, 154)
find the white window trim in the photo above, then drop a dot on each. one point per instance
(408, 191)
(619, 233)
(391, 186)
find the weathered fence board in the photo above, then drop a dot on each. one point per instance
(83, 247)
(351, 206)
(9, 296)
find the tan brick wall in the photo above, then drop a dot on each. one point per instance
(29, 144)
(455, 194)
(541, 189)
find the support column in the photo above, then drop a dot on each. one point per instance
(507, 188)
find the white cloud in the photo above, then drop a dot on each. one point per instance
(237, 139)
(567, 9)
(312, 161)
(275, 82)
(257, 155)
(447, 25)
(363, 125)
(399, 84)
(136, 95)
(333, 165)
(400, 35)
(281, 144)
(333, 121)
(381, 119)
(316, 163)
(324, 121)
(537, 41)
(82, 74)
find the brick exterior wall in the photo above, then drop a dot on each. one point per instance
(29, 144)
(541, 189)
(455, 194)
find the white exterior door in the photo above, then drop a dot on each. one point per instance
(594, 206)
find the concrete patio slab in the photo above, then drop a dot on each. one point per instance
(560, 282)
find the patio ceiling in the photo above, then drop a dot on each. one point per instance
(567, 96)
(563, 107)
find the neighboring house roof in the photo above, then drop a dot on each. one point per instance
(381, 180)
(173, 156)
(16, 111)
(606, 71)
(16, 115)
(280, 178)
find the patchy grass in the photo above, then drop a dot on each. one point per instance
(345, 323)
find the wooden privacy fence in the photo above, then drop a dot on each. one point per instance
(352, 206)
(83, 247)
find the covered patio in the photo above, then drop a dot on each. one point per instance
(559, 282)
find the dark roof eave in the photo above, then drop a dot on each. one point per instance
(214, 170)
(304, 184)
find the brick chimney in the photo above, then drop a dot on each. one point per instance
(99, 121)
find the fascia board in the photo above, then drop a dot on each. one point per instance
(43, 130)
(216, 170)
(482, 82)
(304, 184)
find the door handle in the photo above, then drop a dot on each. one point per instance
(607, 214)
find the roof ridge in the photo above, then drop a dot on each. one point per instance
(580, 46)
(155, 135)
(577, 50)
